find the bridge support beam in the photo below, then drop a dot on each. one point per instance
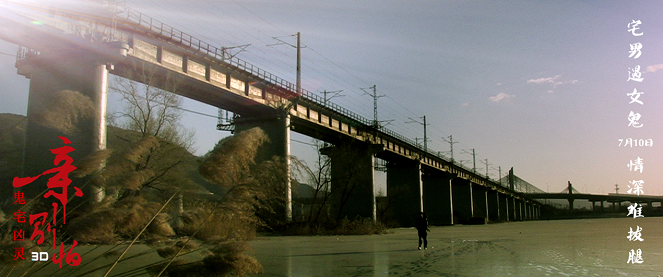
(503, 207)
(438, 203)
(463, 208)
(50, 74)
(277, 129)
(493, 206)
(352, 180)
(511, 205)
(538, 212)
(405, 190)
(530, 211)
(480, 202)
(518, 209)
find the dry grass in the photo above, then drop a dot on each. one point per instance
(135, 180)
(91, 164)
(123, 220)
(230, 222)
(90, 229)
(171, 250)
(247, 187)
(141, 149)
(65, 110)
(222, 225)
(227, 259)
(160, 226)
(7, 245)
(232, 157)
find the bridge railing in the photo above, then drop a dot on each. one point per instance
(166, 31)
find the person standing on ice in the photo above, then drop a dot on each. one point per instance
(422, 226)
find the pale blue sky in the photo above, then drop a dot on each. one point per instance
(537, 85)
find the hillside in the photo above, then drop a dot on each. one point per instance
(173, 161)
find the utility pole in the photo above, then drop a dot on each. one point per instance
(299, 64)
(299, 58)
(376, 123)
(499, 168)
(425, 135)
(512, 179)
(335, 94)
(451, 144)
(487, 164)
(474, 160)
(288, 196)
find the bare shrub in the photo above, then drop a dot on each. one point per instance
(227, 259)
(171, 250)
(360, 226)
(160, 226)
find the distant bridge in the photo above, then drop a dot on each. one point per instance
(615, 199)
(571, 195)
(75, 47)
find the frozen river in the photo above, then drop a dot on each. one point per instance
(586, 247)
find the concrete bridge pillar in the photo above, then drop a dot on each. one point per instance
(438, 203)
(518, 209)
(277, 129)
(571, 204)
(51, 74)
(463, 208)
(503, 207)
(493, 205)
(511, 206)
(352, 180)
(530, 209)
(405, 190)
(480, 201)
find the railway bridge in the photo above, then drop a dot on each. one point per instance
(76, 48)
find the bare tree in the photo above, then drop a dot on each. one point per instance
(152, 106)
(319, 178)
